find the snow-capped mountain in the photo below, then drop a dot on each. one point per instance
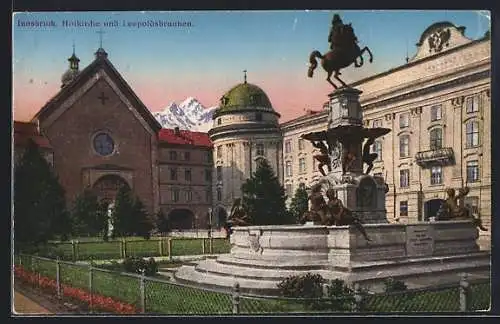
(189, 114)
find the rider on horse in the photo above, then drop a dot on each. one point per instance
(335, 31)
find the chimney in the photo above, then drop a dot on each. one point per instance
(177, 132)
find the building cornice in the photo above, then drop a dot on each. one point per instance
(433, 88)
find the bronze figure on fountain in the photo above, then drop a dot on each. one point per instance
(453, 208)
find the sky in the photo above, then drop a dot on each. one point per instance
(206, 55)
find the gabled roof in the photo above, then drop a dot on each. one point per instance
(101, 62)
(184, 137)
(24, 131)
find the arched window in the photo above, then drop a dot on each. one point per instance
(436, 138)
(472, 133)
(404, 146)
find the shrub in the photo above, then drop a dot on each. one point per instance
(392, 285)
(307, 286)
(340, 296)
(136, 265)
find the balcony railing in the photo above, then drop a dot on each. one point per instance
(442, 156)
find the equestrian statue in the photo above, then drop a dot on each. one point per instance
(344, 51)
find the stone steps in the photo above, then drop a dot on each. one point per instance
(188, 275)
(241, 260)
(246, 272)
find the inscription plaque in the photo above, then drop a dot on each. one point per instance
(419, 241)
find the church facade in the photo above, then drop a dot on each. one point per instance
(103, 137)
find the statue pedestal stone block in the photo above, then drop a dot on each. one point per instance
(421, 255)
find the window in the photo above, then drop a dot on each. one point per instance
(173, 174)
(187, 156)
(208, 175)
(219, 194)
(436, 139)
(173, 155)
(207, 156)
(436, 175)
(472, 134)
(258, 116)
(377, 123)
(288, 146)
(103, 144)
(301, 144)
(219, 151)
(472, 104)
(188, 195)
(208, 195)
(288, 189)
(187, 175)
(219, 121)
(302, 165)
(404, 120)
(436, 113)
(175, 194)
(219, 173)
(404, 178)
(403, 208)
(377, 148)
(260, 149)
(288, 168)
(472, 202)
(472, 171)
(404, 146)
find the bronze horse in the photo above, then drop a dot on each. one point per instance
(340, 56)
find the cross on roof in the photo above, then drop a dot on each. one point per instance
(100, 32)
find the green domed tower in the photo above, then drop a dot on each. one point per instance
(245, 130)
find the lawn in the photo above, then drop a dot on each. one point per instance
(93, 248)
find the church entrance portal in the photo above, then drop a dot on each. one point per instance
(107, 187)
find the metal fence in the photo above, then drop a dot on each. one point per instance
(111, 291)
(118, 249)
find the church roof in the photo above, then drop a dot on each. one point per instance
(100, 62)
(184, 137)
(24, 131)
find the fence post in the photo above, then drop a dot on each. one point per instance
(211, 245)
(58, 278)
(169, 247)
(90, 285)
(464, 293)
(236, 298)
(124, 247)
(358, 298)
(121, 249)
(160, 246)
(73, 251)
(143, 290)
(202, 245)
(20, 260)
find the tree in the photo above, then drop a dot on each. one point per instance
(299, 204)
(143, 224)
(130, 216)
(264, 197)
(162, 223)
(88, 215)
(123, 212)
(40, 212)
